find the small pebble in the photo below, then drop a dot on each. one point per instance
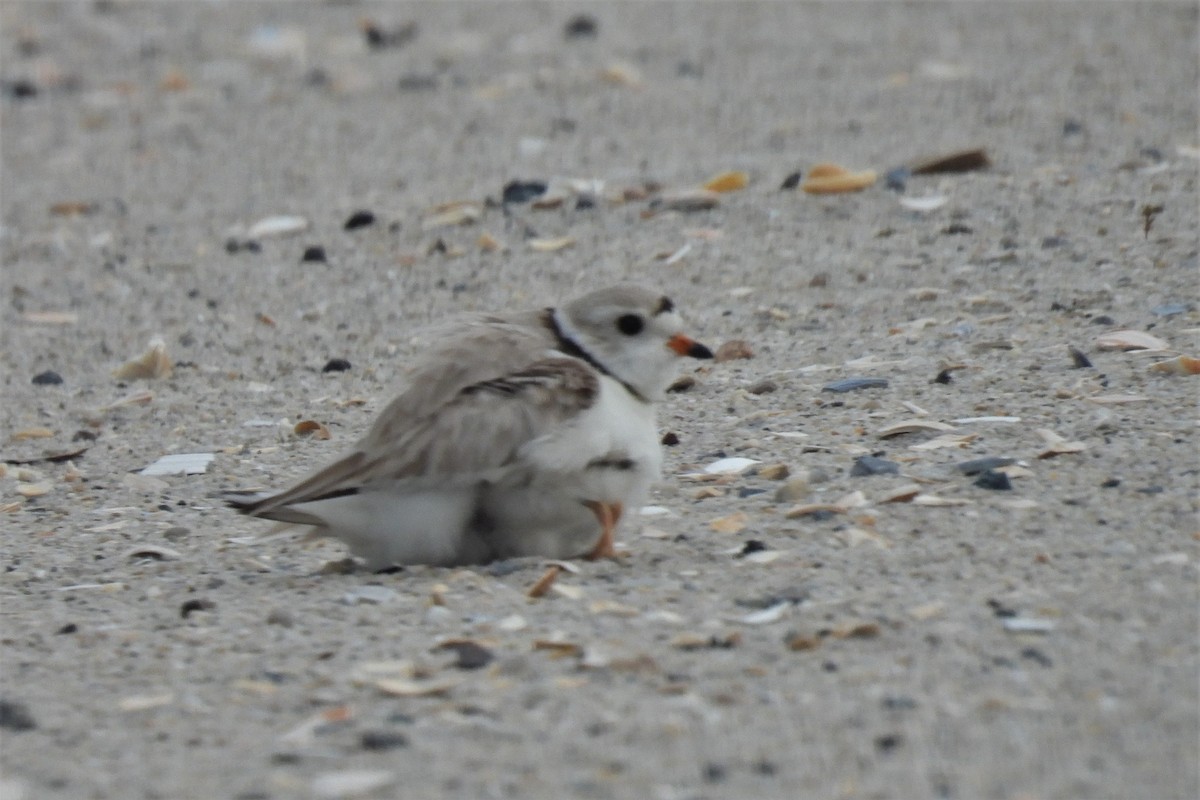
(990, 479)
(417, 82)
(281, 617)
(943, 377)
(888, 742)
(523, 191)
(15, 716)
(763, 387)
(581, 26)
(977, 465)
(1169, 310)
(470, 655)
(1079, 359)
(733, 350)
(791, 181)
(47, 378)
(670, 439)
(21, 89)
(195, 605)
(793, 491)
(359, 219)
(336, 365)
(314, 253)
(752, 546)
(382, 740)
(897, 179)
(870, 465)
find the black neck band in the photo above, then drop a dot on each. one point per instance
(569, 346)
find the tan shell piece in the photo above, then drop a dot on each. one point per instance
(727, 182)
(828, 178)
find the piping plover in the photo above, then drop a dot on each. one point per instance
(516, 435)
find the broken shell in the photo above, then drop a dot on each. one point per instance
(558, 649)
(774, 472)
(311, 426)
(686, 201)
(730, 466)
(488, 243)
(1058, 445)
(544, 583)
(31, 490)
(458, 212)
(180, 464)
(733, 350)
(913, 426)
(961, 161)
(277, 226)
(813, 508)
(1180, 365)
(622, 75)
(732, 523)
(401, 687)
(727, 182)
(1130, 340)
(924, 204)
(934, 501)
(151, 551)
(551, 245)
(154, 363)
(901, 494)
(32, 433)
(832, 179)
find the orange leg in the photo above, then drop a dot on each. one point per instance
(608, 515)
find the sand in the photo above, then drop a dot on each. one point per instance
(1038, 642)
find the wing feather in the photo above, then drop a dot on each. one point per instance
(474, 435)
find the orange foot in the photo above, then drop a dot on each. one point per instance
(608, 515)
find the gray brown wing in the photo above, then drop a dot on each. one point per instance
(471, 438)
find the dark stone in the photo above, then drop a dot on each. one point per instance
(1072, 127)
(897, 179)
(713, 772)
(670, 439)
(21, 89)
(70, 627)
(359, 219)
(1037, 656)
(15, 716)
(470, 655)
(990, 479)
(47, 378)
(195, 605)
(791, 181)
(314, 253)
(523, 191)
(1052, 242)
(336, 365)
(1079, 359)
(944, 377)
(382, 740)
(1111, 483)
(888, 742)
(957, 229)
(870, 465)
(581, 26)
(752, 546)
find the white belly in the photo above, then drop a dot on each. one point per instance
(609, 454)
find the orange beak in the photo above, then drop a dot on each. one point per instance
(687, 346)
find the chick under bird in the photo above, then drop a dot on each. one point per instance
(523, 434)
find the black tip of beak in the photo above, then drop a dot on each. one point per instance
(698, 350)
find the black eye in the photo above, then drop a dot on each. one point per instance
(630, 324)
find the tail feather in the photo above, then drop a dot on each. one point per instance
(258, 504)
